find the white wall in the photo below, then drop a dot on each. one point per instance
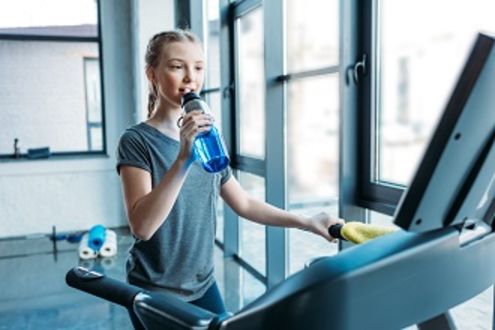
(76, 193)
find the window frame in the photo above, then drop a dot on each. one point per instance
(382, 197)
(98, 40)
(240, 162)
(245, 163)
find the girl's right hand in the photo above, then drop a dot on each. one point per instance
(193, 123)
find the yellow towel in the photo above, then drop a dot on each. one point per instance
(358, 232)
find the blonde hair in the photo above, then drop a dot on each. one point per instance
(153, 53)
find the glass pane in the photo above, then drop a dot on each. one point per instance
(312, 34)
(237, 286)
(212, 44)
(313, 139)
(251, 84)
(253, 234)
(92, 89)
(220, 222)
(49, 17)
(95, 139)
(419, 65)
(380, 219)
(53, 98)
(214, 101)
(251, 288)
(312, 134)
(305, 246)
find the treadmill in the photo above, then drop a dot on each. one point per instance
(444, 255)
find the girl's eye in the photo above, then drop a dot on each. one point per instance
(176, 67)
(199, 68)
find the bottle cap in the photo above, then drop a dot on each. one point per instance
(189, 96)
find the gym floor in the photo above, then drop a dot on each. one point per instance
(35, 296)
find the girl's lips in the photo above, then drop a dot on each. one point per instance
(185, 90)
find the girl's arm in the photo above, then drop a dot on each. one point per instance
(147, 207)
(247, 207)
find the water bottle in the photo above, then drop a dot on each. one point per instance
(208, 146)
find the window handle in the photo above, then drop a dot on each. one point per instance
(17, 150)
(228, 91)
(357, 70)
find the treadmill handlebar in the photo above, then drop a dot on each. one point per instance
(101, 286)
(334, 231)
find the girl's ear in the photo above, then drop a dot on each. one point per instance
(151, 75)
(151, 81)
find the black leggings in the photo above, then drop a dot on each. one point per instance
(211, 301)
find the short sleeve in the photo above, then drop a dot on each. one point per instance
(225, 175)
(132, 151)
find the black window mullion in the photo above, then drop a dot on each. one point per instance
(307, 74)
(210, 91)
(36, 37)
(372, 194)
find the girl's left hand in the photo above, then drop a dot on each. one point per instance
(320, 223)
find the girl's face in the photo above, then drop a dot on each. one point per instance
(180, 70)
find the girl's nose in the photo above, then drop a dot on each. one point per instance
(189, 76)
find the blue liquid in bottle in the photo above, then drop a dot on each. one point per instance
(211, 151)
(209, 146)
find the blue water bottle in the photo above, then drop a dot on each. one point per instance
(209, 146)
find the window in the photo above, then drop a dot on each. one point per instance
(312, 34)
(50, 67)
(419, 65)
(211, 89)
(212, 43)
(409, 75)
(246, 27)
(268, 107)
(250, 59)
(93, 103)
(312, 120)
(253, 235)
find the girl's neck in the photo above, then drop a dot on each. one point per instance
(165, 120)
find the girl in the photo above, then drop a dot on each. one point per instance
(170, 200)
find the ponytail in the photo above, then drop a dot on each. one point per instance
(151, 103)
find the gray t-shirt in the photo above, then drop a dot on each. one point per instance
(178, 258)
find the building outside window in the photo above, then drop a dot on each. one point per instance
(50, 66)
